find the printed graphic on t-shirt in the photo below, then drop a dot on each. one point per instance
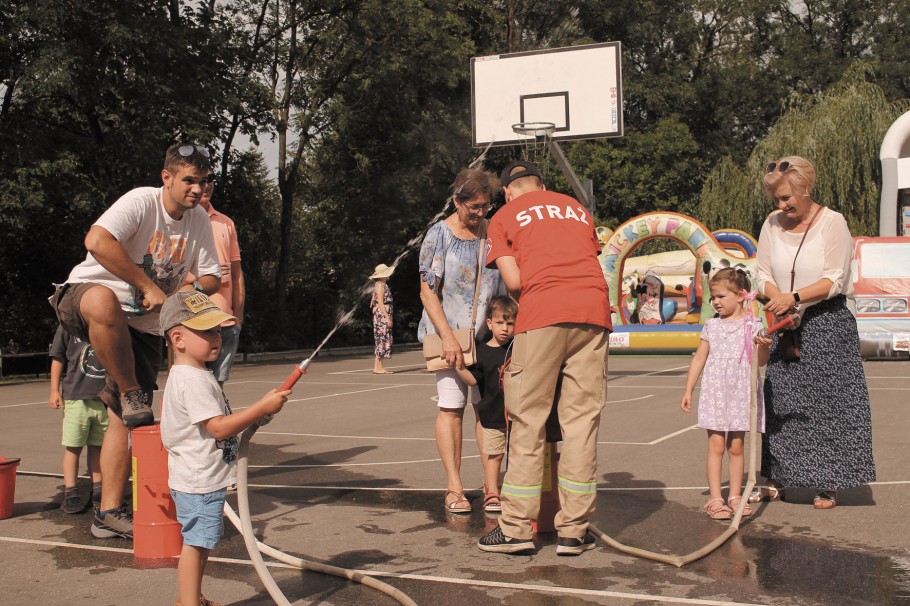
(230, 447)
(88, 362)
(163, 263)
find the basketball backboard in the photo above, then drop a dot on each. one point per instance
(579, 89)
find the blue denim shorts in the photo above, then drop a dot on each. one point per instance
(230, 340)
(202, 517)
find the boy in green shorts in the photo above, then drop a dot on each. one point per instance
(76, 379)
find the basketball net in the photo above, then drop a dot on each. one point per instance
(535, 143)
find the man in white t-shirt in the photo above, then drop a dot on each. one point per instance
(139, 251)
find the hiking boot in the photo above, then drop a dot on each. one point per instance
(110, 396)
(573, 547)
(112, 523)
(137, 409)
(496, 542)
(72, 502)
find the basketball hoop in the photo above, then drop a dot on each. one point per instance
(535, 141)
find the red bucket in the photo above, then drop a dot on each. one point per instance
(7, 486)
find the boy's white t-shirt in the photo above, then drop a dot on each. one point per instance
(165, 249)
(197, 462)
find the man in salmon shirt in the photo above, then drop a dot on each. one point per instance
(545, 248)
(231, 295)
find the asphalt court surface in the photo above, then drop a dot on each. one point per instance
(348, 474)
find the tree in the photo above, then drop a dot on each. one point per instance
(398, 136)
(92, 94)
(251, 199)
(840, 131)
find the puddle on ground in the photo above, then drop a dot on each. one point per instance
(751, 567)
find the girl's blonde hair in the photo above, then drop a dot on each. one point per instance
(733, 276)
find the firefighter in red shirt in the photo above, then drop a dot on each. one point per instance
(545, 247)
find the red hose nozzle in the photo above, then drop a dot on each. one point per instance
(791, 319)
(295, 375)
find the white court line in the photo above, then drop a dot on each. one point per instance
(648, 374)
(652, 442)
(303, 382)
(23, 404)
(421, 577)
(436, 460)
(344, 393)
(334, 437)
(638, 597)
(417, 439)
(412, 489)
(599, 488)
(650, 395)
(672, 435)
(677, 387)
(370, 370)
(467, 439)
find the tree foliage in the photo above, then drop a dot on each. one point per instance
(92, 94)
(368, 103)
(823, 129)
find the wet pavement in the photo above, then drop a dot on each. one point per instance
(349, 475)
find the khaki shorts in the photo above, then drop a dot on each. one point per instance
(66, 301)
(84, 422)
(494, 441)
(146, 347)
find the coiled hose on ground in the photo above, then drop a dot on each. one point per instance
(256, 548)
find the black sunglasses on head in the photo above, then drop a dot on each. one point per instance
(782, 168)
(188, 150)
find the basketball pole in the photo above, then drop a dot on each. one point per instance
(584, 194)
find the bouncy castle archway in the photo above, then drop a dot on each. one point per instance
(710, 254)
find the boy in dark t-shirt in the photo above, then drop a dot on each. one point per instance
(491, 356)
(76, 379)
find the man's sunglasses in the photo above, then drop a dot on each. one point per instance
(188, 150)
(782, 168)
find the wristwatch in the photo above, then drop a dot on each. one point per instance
(198, 287)
(795, 296)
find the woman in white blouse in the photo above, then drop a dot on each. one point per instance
(818, 422)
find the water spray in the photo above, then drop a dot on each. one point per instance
(243, 522)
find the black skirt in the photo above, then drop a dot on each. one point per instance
(817, 418)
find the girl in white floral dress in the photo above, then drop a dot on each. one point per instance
(725, 355)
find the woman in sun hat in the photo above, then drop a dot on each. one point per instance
(381, 306)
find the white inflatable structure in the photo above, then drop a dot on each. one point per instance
(895, 159)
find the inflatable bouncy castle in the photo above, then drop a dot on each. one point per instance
(660, 302)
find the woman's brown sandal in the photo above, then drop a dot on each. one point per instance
(825, 499)
(716, 509)
(733, 503)
(459, 504)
